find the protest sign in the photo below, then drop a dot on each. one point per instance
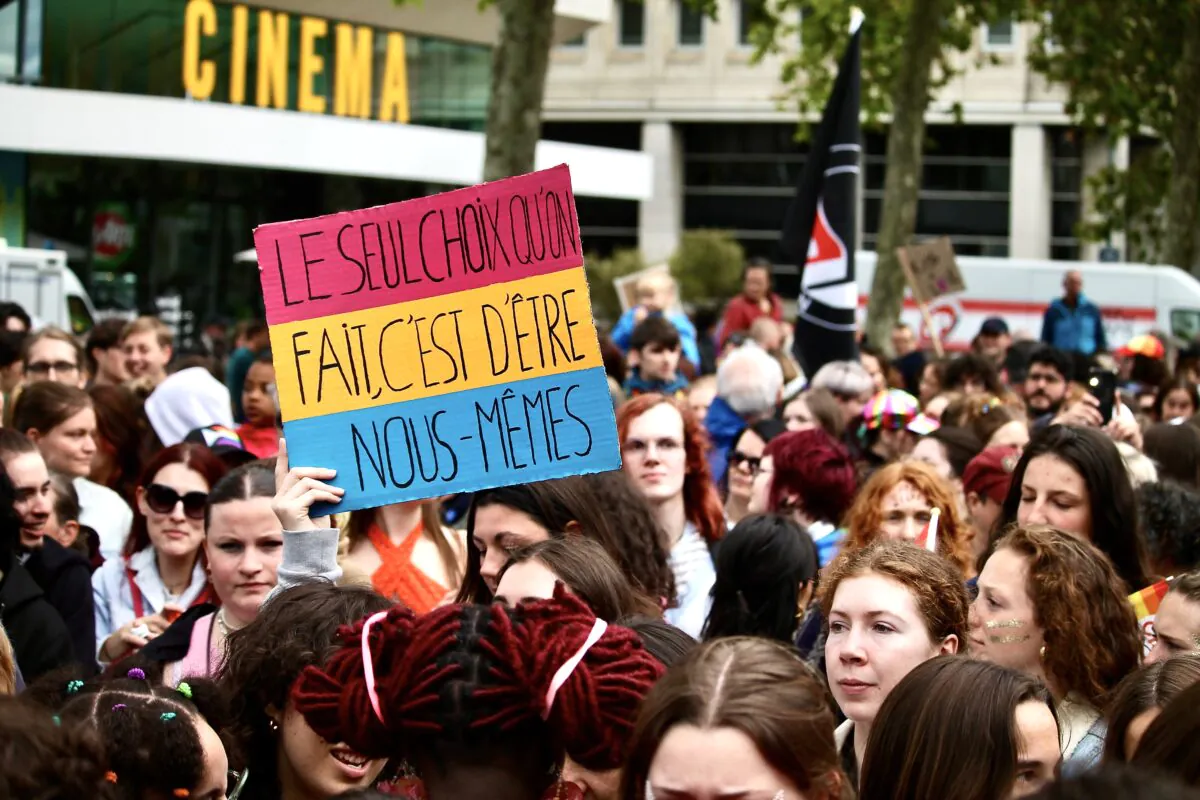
(934, 269)
(439, 345)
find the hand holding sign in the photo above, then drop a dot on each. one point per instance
(296, 490)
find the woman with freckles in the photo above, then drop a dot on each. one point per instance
(1052, 606)
(890, 607)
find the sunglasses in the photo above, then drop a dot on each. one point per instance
(163, 499)
(737, 457)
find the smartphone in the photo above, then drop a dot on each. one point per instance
(1102, 385)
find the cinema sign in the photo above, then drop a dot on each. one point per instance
(352, 71)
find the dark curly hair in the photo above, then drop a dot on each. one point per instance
(150, 756)
(1081, 605)
(466, 685)
(971, 366)
(1170, 516)
(295, 629)
(44, 760)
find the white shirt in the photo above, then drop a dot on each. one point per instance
(114, 596)
(694, 578)
(105, 512)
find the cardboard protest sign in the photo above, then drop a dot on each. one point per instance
(626, 285)
(934, 269)
(439, 345)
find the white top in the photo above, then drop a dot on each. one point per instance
(105, 512)
(694, 578)
(114, 597)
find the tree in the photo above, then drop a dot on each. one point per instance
(708, 266)
(1132, 67)
(910, 50)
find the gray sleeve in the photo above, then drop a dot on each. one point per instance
(306, 555)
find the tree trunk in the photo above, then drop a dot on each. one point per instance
(519, 63)
(902, 180)
(1183, 195)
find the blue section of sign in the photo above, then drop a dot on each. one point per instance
(525, 431)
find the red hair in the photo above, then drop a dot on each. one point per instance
(470, 676)
(701, 502)
(195, 457)
(814, 471)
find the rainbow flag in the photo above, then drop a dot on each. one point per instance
(1145, 605)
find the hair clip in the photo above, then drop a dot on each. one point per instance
(110, 776)
(74, 686)
(136, 674)
(119, 706)
(57, 719)
(184, 689)
(181, 793)
(167, 716)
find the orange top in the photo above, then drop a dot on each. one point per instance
(398, 577)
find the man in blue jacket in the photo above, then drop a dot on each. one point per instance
(1072, 322)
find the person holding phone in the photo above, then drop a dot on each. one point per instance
(1101, 407)
(161, 571)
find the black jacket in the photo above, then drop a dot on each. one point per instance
(65, 578)
(39, 636)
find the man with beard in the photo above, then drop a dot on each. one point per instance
(1046, 385)
(62, 575)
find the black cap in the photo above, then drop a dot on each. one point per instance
(993, 326)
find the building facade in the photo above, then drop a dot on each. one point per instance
(686, 90)
(147, 138)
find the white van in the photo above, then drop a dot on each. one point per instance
(41, 282)
(1133, 298)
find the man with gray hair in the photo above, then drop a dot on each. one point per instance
(749, 386)
(850, 384)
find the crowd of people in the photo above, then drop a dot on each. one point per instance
(900, 576)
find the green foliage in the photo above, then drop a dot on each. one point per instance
(1117, 59)
(707, 266)
(1130, 201)
(600, 274)
(823, 29)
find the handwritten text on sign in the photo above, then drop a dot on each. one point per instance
(439, 345)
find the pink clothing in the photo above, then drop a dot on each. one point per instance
(202, 659)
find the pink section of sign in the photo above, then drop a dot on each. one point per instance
(497, 232)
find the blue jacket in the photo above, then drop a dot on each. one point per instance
(723, 425)
(622, 332)
(635, 384)
(1078, 329)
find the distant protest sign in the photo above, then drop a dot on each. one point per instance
(934, 268)
(439, 345)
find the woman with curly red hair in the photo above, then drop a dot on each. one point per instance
(810, 477)
(897, 503)
(483, 701)
(1051, 605)
(664, 448)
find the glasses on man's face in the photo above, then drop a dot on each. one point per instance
(47, 368)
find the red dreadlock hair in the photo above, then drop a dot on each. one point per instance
(475, 677)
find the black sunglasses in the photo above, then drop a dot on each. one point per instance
(738, 457)
(163, 499)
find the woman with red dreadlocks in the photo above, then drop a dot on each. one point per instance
(483, 701)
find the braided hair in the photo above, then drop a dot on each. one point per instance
(149, 732)
(466, 685)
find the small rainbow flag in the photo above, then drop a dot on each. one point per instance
(1146, 602)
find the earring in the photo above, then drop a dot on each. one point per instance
(273, 725)
(1042, 652)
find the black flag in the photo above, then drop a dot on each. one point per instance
(820, 226)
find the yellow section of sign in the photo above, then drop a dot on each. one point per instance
(451, 343)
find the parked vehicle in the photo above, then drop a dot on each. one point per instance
(42, 283)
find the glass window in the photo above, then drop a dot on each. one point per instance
(575, 43)
(1185, 323)
(750, 13)
(691, 26)
(8, 40)
(632, 22)
(998, 35)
